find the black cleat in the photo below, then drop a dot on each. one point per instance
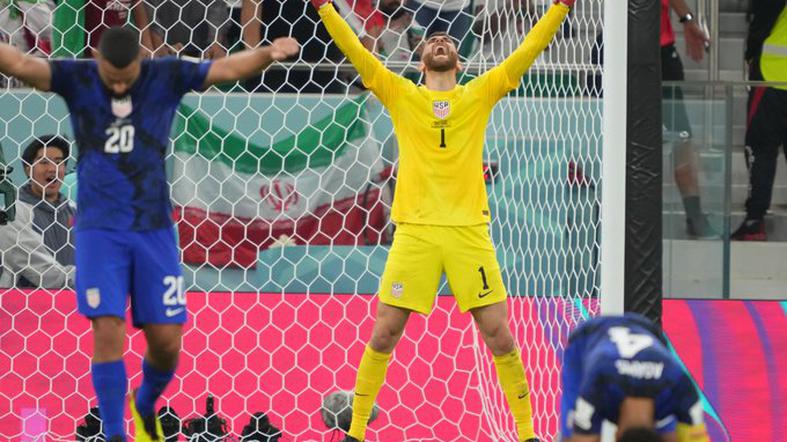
(750, 230)
(533, 439)
(150, 427)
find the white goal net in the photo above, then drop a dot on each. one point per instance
(282, 187)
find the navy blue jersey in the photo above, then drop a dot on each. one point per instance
(613, 357)
(122, 183)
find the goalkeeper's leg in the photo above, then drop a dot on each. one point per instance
(388, 329)
(492, 321)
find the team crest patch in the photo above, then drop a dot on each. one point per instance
(122, 107)
(441, 109)
(93, 297)
(397, 289)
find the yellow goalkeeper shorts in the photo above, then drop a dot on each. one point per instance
(420, 254)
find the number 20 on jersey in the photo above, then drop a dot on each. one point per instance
(120, 139)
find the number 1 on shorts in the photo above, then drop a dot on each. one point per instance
(483, 277)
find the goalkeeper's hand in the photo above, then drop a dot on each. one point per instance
(569, 3)
(319, 3)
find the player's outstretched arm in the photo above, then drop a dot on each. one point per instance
(367, 65)
(509, 73)
(34, 71)
(250, 62)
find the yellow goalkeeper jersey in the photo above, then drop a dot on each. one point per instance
(441, 133)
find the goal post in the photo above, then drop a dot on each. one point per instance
(613, 251)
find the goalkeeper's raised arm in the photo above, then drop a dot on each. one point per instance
(373, 73)
(536, 40)
(508, 74)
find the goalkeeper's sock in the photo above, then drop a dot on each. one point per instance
(154, 381)
(109, 381)
(511, 374)
(371, 375)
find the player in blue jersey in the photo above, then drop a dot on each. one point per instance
(616, 368)
(122, 108)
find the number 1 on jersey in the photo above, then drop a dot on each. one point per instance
(442, 137)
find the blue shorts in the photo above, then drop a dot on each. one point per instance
(111, 265)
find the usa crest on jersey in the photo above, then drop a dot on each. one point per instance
(122, 107)
(441, 108)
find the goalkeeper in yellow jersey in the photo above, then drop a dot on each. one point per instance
(440, 205)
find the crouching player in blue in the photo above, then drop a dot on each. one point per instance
(121, 109)
(616, 368)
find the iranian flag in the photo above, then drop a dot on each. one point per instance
(320, 186)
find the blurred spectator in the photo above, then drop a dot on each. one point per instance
(400, 38)
(243, 29)
(37, 247)
(502, 25)
(452, 16)
(101, 15)
(298, 19)
(675, 117)
(360, 14)
(195, 28)
(766, 54)
(363, 18)
(676, 125)
(234, 26)
(79, 24)
(26, 24)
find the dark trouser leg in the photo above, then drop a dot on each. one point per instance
(762, 147)
(762, 171)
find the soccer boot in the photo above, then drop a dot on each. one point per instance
(750, 230)
(147, 428)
